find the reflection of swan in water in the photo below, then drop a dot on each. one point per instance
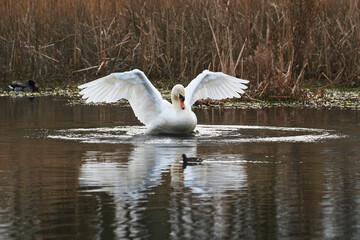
(131, 178)
(130, 182)
(144, 168)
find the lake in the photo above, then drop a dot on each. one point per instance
(75, 171)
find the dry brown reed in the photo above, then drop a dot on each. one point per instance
(280, 45)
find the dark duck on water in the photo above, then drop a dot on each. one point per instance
(190, 161)
(24, 86)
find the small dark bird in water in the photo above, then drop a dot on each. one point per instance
(190, 161)
(24, 86)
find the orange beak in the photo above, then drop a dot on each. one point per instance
(182, 99)
(182, 105)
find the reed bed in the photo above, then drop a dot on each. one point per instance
(282, 46)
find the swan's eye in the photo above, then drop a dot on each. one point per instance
(181, 97)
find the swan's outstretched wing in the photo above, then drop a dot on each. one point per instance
(215, 85)
(144, 98)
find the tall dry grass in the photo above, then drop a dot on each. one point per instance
(280, 45)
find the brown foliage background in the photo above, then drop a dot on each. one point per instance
(280, 45)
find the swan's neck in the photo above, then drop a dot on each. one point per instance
(176, 105)
(175, 101)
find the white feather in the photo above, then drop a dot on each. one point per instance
(215, 85)
(133, 85)
(157, 114)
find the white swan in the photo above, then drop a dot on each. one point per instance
(150, 108)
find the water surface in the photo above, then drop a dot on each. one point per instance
(88, 172)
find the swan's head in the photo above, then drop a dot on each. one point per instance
(178, 96)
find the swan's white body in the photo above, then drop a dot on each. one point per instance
(150, 108)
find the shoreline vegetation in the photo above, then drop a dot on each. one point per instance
(328, 98)
(288, 49)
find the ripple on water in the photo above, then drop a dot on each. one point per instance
(204, 134)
